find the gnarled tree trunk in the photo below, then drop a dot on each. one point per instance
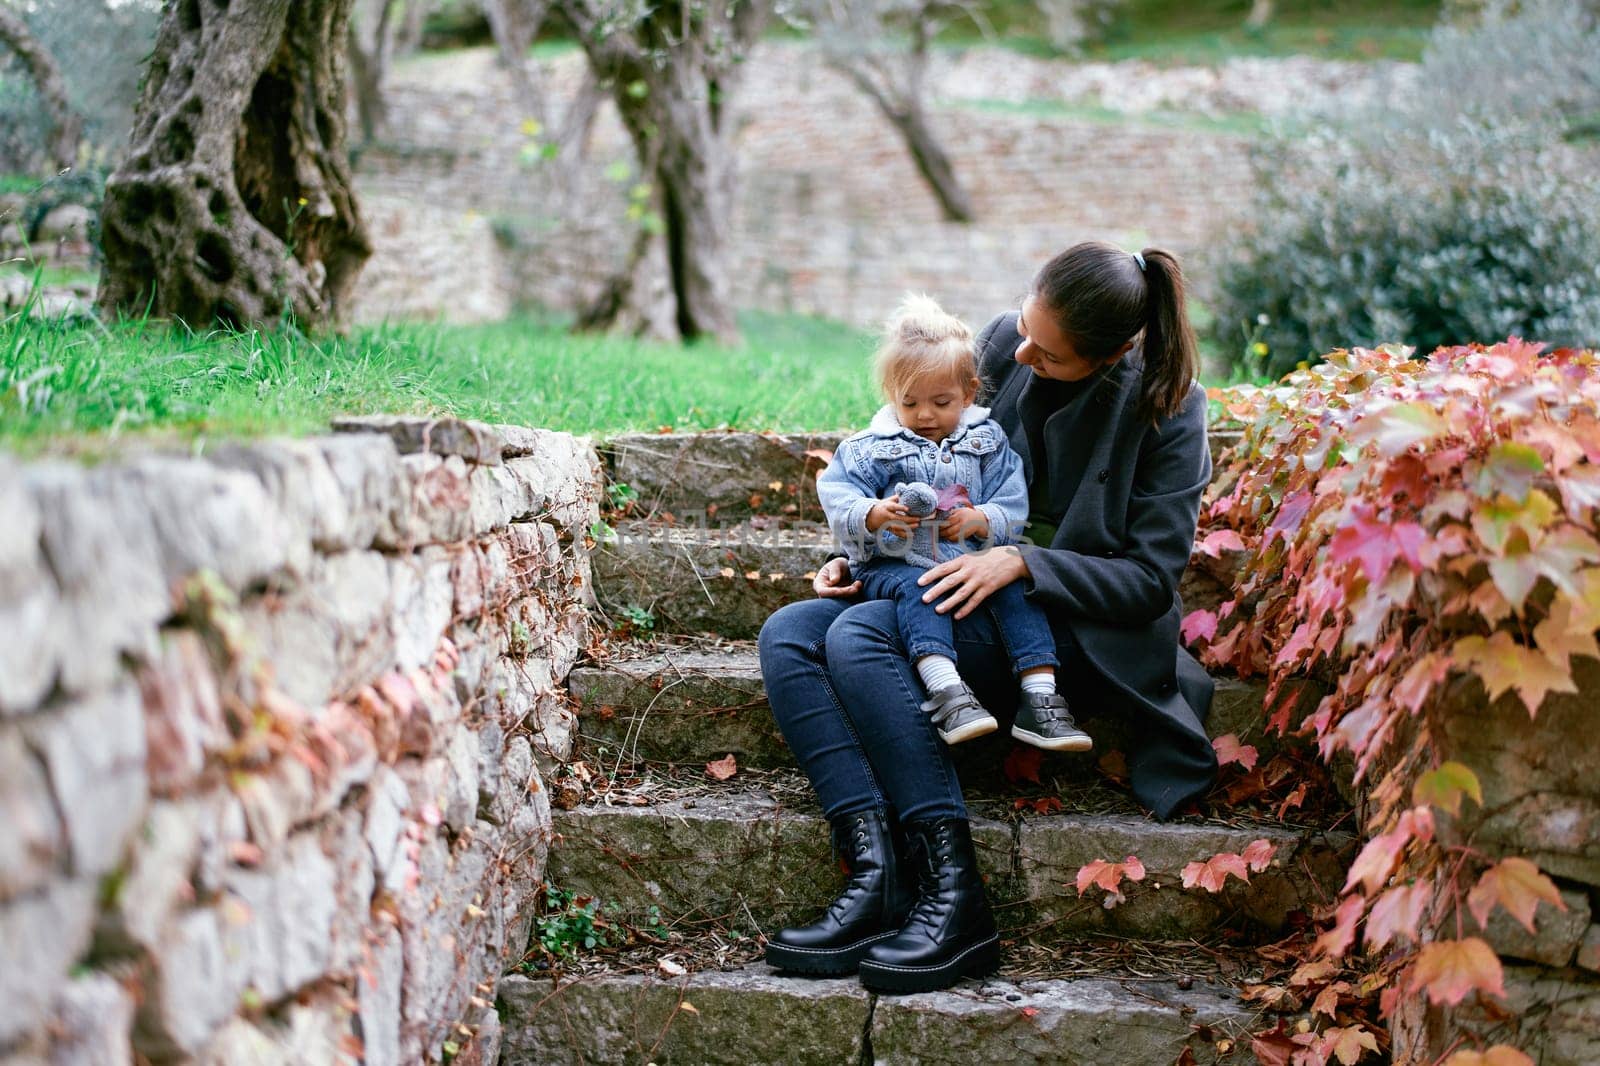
(669, 70)
(235, 201)
(856, 41)
(50, 85)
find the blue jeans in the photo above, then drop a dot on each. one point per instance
(1024, 629)
(848, 702)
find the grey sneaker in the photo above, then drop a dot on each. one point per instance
(958, 715)
(1045, 722)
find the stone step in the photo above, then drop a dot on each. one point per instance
(729, 579)
(735, 475)
(740, 859)
(697, 701)
(753, 1016)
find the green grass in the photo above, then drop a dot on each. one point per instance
(1210, 31)
(82, 386)
(1242, 125)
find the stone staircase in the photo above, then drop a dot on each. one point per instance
(745, 856)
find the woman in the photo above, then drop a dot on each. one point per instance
(1094, 382)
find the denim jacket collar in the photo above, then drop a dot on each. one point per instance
(886, 424)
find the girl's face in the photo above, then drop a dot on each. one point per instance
(1047, 351)
(931, 407)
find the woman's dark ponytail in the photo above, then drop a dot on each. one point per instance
(1171, 357)
(1102, 297)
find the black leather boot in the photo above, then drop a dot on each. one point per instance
(950, 933)
(874, 902)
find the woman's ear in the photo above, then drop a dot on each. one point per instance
(1127, 346)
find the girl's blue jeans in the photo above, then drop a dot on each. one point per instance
(848, 701)
(1023, 627)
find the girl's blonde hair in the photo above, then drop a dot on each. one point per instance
(922, 340)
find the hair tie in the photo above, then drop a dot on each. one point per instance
(1137, 258)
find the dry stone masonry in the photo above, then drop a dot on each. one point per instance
(273, 730)
(830, 215)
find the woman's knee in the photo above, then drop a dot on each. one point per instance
(796, 629)
(862, 626)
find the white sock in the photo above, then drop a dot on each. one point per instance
(938, 671)
(1040, 682)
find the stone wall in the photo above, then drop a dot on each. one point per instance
(274, 725)
(831, 216)
(1541, 800)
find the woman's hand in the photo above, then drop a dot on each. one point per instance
(834, 580)
(964, 522)
(967, 581)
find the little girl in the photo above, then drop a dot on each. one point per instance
(929, 435)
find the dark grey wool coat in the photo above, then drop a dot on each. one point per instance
(1111, 572)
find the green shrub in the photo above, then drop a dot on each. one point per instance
(1452, 217)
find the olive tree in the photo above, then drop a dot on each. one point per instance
(670, 68)
(234, 202)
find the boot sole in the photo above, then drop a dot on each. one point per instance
(822, 962)
(979, 960)
(982, 727)
(1083, 743)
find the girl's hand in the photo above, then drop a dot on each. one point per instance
(964, 522)
(892, 511)
(834, 580)
(966, 582)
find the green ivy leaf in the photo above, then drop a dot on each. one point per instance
(1444, 788)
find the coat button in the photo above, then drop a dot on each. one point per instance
(1104, 476)
(946, 457)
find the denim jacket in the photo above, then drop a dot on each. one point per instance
(867, 466)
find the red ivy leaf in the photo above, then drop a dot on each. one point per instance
(1518, 886)
(1211, 874)
(723, 768)
(1336, 941)
(1199, 625)
(1398, 914)
(1109, 875)
(1229, 750)
(1258, 855)
(1022, 764)
(1219, 541)
(1449, 970)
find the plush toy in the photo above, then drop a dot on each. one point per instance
(920, 500)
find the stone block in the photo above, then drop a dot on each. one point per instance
(183, 718)
(745, 1016)
(102, 553)
(1055, 1022)
(366, 469)
(27, 595)
(45, 933)
(727, 581)
(158, 878)
(1588, 955)
(423, 603)
(433, 504)
(32, 838)
(437, 783)
(355, 884)
(329, 633)
(565, 478)
(387, 810)
(731, 475)
(300, 482)
(208, 518)
(1541, 798)
(378, 1001)
(1307, 870)
(93, 1023)
(282, 919)
(93, 751)
(452, 936)
(1557, 936)
(476, 442)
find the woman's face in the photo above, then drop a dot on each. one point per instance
(1047, 351)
